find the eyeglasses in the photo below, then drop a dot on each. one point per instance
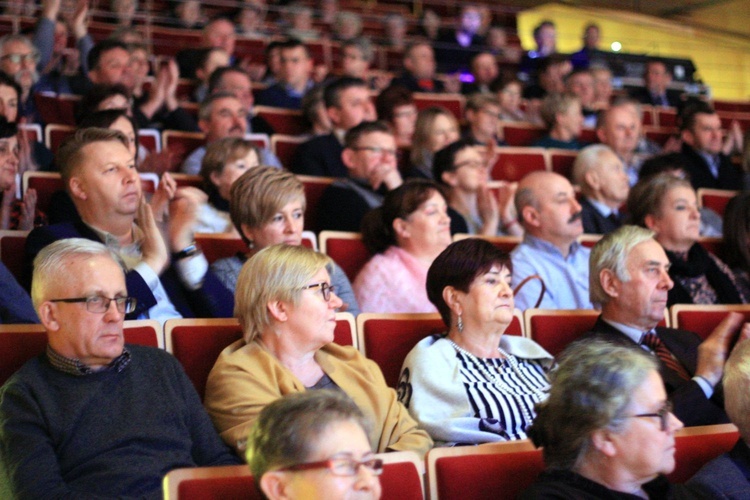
(18, 58)
(99, 304)
(470, 163)
(347, 467)
(497, 116)
(325, 289)
(377, 150)
(662, 414)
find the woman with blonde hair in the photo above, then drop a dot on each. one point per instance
(436, 127)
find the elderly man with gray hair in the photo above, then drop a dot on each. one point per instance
(728, 476)
(629, 278)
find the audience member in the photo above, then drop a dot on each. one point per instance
(286, 307)
(473, 384)
(15, 304)
(483, 118)
(268, 208)
(562, 116)
(604, 188)
(590, 54)
(630, 280)
(419, 69)
(237, 82)
(484, 70)
(404, 235)
(313, 430)
(348, 104)
(15, 213)
(455, 47)
(737, 240)
(18, 60)
(301, 23)
(293, 80)
(395, 31)
(218, 33)
(619, 127)
(273, 63)
(346, 26)
(395, 106)
(551, 218)
(314, 112)
(545, 37)
(607, 429)
(357, 55)
(509, 92)
(602, 86)
(92, 416)
(208, 61)
(580, 82)
(250, 20)
(550, 79)
(436, 127)
(668, 206)
(701, 134)
(109, 206)
(186, 14)
(655, 90)
(497, 45)
(429, 24)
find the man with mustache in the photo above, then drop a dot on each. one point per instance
(630, 280)
(551, 218)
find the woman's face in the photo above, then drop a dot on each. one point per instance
(444, 131)
(677, 225)
(642, 450)
(232, 171)
(8, 103)
(572, 119)
(8, 161)
(285, 227)
(428, 227)
(313, 319)
(404, 119)
(123, 125)
(489, 301)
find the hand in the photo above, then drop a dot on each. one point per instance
(50, 9)
(26, 162)
(164, 193)
(28, 211)
(488, 210)
(183, 213)
(79, 22)
(506, 195)
(170, 90)
(388, 174)
(9, 194)
(734, 139)
(153, 247)
(673, 145)
(713, 352)
(256, 71)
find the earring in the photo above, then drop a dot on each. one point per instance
(460, 324)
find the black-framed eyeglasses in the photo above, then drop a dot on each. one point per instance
(346, 467)
(470, 163)
(325, 289)
(100, 304)
(662, 415)
(377, 150)
(18, 58)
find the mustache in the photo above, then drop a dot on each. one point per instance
(576, 216)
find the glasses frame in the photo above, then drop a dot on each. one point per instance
(325, 288)
(374, 465)
(19, 58)
(663, 415)
(124, 305)
(377, 150)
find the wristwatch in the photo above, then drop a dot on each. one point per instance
(186, 252)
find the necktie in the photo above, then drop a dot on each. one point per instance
(653, 342)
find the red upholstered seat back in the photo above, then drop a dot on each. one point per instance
(555, 331)
(520, 134)
(219, 488)
(512, 164)
(703, 322)
(402, 481)
(349, 253)
(17, 348)
(693, 452)
(12, 245)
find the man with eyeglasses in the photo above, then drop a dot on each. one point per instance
(630, 280)
(483, 117)
(92, 416)
(370, 158)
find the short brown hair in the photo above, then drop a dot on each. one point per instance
(69, 154)
(220, 153)
(554, 104)
(646, 196)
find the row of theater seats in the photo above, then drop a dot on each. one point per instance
(498, 470)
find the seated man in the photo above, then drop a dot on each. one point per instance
(562, 116)
(370, 157)
(220, 116)
(92, 417)
(485, 70)
(619, 127)
(99, 173)
(294, 79)
(656, 80)
(348, 104)
(483, 118)
(630, 280)
(551, 217)
(726, 476)
(604, 186)
(580, 82)
(419, 69)
(237, 82)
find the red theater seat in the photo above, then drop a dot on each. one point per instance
(555, 329)
(504, 243)
(521, 134)
(180, 145)
(512, 164)
(314, 187)
(283, 121)
(696, 446)
(346, 249)
(561, 161)
(284, 147)
(701, 318)
(715, 199)
(452, 102)
(12, 244)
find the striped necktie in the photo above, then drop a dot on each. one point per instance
(653, 342)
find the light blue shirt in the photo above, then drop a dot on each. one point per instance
(192, 164)
(566, 279)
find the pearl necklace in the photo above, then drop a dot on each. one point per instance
(536, 394)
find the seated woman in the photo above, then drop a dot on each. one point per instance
(564, 120)
(404, 235)
(737, 239)
(667, 205)
(15, 213)
(312, 431)
(474, 384)
(473, 207)
(509, 93)
(267, 207)
(225, 161)
(436, 127)
(286, 307)
(607, 429)
(395, 105)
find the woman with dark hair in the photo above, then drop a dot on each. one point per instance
(436, 127)
(607, 429)
(395, 105)
(405, 234)
(117, 118)
(473, 384)
(15, 213)
(737, 239)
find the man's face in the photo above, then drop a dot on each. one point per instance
(613, 180)
(354, 107)
(486, 120)
(546, 40)
(220, 34)
(106, 181)
(705, 134)
(353, 63)
(296, 66)
(582, 85)
(642, 298)
(571, 119)
(228, 119)
(96, 339)
(8, 161)
(484, 68)
(421, 62)
(591, 37)
(621, 130)
(373, 157)
(113, 68)
(471, 20)
(19, 61)
(238, 84)
(557, 214)
(657, 77)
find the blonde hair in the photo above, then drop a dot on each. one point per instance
(736, 380)
(420, 153)
(278, 272)
(554, 104)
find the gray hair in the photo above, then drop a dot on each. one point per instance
(15, 38)
(611, 252)
(591, 389)
(588, 158)
(736, 383)
(207, 106)
(363, 45)
(50, 264)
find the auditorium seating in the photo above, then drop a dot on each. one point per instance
(696, 446)
(284, 147)
(55, 134)
(504, 243)
(666, 117)
(512, 164)
(555, 329)
(12, 243)
(57, 108)
(283, 121)
(521, 134)
(217, 246)
(346, 249)
(715, 199)
(180, 145)
(314, 187)
(452, 102)
(701, 318)
(561, 161)
(32, 131)
(660, 135)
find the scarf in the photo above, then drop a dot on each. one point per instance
(699, 262)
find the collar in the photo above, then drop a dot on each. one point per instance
(630, 332)
(294, 92)
(548, 247)
(339, 134)
(111, 241)
(600, 207)
(74, 366)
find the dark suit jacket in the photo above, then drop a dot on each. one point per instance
(594, 222)
(701, 176)
(643, 96)
(726, 476)
(211, 300)
(320, 156)
(407, 80)
(277, 96)
(689, 400)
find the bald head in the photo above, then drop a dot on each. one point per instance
(601, 175)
